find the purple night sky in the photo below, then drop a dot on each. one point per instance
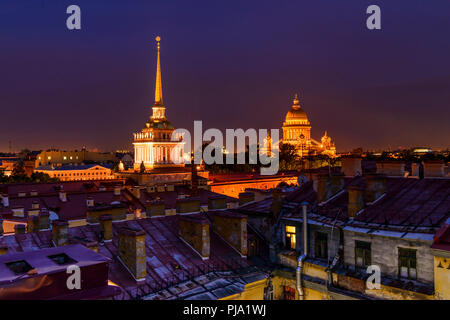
(232, 64)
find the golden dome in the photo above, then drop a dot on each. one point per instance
(296, 112)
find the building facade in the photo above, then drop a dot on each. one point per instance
(154, 146)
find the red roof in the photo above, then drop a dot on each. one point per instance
(442, 237)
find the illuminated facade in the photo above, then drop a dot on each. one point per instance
(153, 146)
(297, 131)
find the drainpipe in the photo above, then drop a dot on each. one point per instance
(302, 258)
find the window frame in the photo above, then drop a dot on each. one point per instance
(364, 250)
(407, 258)
(320, 239)
(289, 235)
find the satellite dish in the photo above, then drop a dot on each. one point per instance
(301, 180)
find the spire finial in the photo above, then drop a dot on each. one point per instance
(158, 87)
(296, 102)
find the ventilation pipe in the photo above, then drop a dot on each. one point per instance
(301, 259)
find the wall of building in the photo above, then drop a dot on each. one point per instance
(385, 253)
(233, 188)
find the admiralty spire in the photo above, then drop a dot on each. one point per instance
(153, 146)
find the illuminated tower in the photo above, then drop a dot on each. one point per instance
(153, 146)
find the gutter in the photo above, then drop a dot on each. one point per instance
(302, 258)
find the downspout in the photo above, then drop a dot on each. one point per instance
(299, 270)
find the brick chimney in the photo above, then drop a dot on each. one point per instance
(136, 192)
(217, 202)
(44, 219)
(62, 196)
(60, 232)
(433, 168)
(375, 187)
(355, 200)
(32, 224)
(393, 168)
(245, 197)
(329, 185)
(117, 190)
(90, 202)
(195, 232)
(106, 226)
(5, 200)
(186, 205)
(277, 203)
(351, 166)
(232, 227)
(131, 252)
(20, 228)
(155, 208)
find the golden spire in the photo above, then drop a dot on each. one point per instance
(158, 88)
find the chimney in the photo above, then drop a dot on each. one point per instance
(195, 232)
(32, 224)
(355, 200)
(117, 190)
(5, 200)
(393, 168)
(277, 203)
(60, 231)
(433, 168)
(375, 187)
(186, 205)
(106, 226)
(35, 205)
(232, 227)
(44, 219)
(63, 196)
(136, 192)
(3, 249)
(329, 185)
(20, 228)
(155, 208)
(351, 166)
(415, 169)
(131, 252)
(245, 197)
(217, 202)
(89, 202)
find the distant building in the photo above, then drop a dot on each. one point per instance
(59, 157)
(297, 131)
(7, 164)
(153, 146)
(78, 172)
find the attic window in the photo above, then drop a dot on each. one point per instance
(19, 267)
(61, 259)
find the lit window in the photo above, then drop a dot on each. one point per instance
(49, 158)
(407, 263)
(362, 254)
(290, 237)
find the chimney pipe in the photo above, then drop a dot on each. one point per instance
(106, 226)
(117, 190)
(60, 232)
